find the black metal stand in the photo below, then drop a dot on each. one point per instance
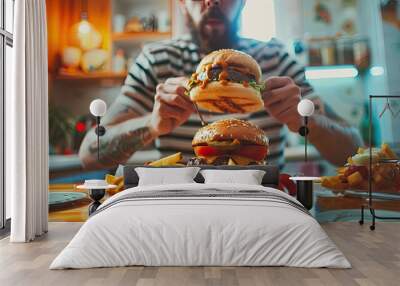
(305, 187)
(370, 187)
(306, 139)
(303, 131)
(100, 131)
(305, 193)
(96, 195)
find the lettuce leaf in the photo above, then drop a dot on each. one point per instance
(259, 87)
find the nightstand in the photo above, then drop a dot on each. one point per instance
(97, 190)
(305, 187)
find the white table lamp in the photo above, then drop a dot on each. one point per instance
(98, 108)
(305, 184)
(305, 108)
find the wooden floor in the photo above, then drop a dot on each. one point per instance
(375, 257)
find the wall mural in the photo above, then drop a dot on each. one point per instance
(95, 53)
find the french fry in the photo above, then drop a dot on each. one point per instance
(350, 161)
(119, 188)
(168, 161)
(210, 159)
(355, 179)
(242, 161)
(360, 150)
(378, 178)
(113, 180)
(341, 170)
(388, 152)
(355, 174)
(333, 182)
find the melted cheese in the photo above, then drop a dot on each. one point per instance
(223, 76)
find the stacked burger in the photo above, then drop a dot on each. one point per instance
(230, 142)
(228, 81)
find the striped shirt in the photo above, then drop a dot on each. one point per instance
(180, 57)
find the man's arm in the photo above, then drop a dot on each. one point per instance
(333, 137)
(330, 134)
(128, 131)
(126, 121)
(125, 134)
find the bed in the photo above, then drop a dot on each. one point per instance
(197, 224)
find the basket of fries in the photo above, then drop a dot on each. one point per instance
(384, 172)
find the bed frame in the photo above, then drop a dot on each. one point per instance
(271, 177)
(131, 179)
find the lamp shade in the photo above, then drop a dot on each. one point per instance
(305, 107)
(98, 107)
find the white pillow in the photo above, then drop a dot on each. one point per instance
(166, 176)
(247, 177)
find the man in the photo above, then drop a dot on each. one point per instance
(153, 106)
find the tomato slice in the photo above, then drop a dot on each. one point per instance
(255, 152)
(363, 170)
(206, 151)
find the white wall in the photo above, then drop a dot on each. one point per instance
(178, 24)
(258, 20)
(392, 55)
(384, 42)
(76, 98)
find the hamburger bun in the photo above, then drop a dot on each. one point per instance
(231, 98)
(231, 129)
(227, 81)
(230, 142)
(234, 58)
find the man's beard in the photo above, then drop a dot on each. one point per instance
(214, 41)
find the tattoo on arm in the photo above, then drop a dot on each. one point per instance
(118, 149)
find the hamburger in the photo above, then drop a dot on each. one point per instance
(230, 142)
(227, 81)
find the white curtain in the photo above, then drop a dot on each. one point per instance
(27, 124)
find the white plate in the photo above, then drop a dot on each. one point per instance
(317, 179)
(88, 187)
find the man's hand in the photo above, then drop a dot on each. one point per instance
(281, 97)
(172, 107)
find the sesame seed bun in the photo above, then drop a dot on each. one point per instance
(226, 96)
(232, 57)
(230, 129)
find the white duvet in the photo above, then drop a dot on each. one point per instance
(202, 231)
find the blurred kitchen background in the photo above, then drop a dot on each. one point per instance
(351, 49)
